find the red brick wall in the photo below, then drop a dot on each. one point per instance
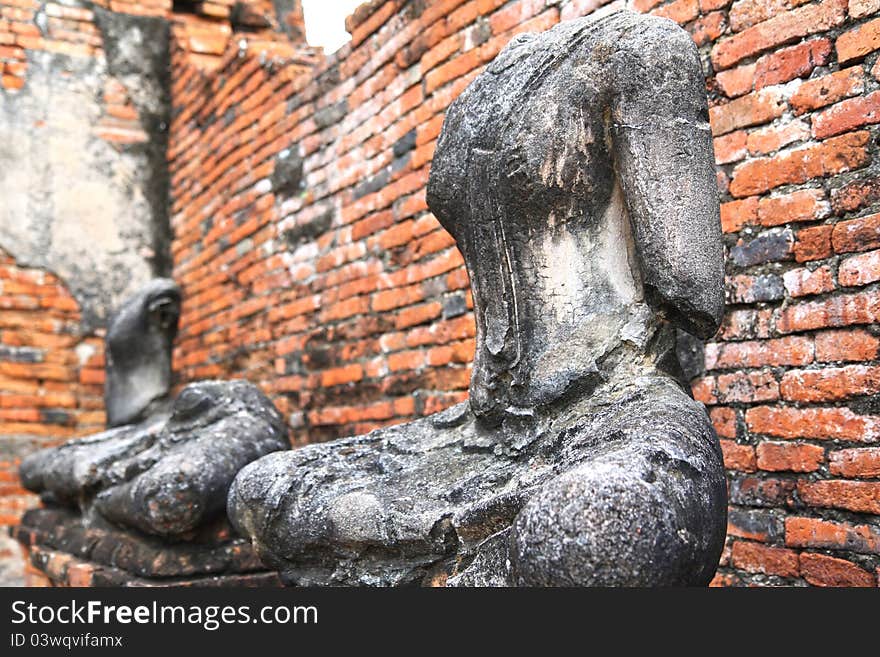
(51, 376)
(348, 303)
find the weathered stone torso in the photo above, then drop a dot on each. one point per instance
(576, 175)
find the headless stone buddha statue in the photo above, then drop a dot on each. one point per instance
(576, 176)
(165, 465)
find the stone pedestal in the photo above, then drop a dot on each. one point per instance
(60, 551)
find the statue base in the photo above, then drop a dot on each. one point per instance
(61, 549)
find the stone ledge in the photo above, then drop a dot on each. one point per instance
(67, 553)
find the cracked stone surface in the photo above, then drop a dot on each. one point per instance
(576, 176)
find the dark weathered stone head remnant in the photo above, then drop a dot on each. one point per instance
(138, 352)
(576, 175)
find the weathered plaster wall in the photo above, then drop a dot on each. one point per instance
(85, 194)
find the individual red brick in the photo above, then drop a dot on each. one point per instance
(710, 5)
(346, 374)
(813, 243)
(802, 205)
(816, 533)
(815, 423)
(731, 147)
(858, 496)
(835, 155)
(851, 345)
(703, 390)
(771, 139)
(830, 384)
(707, 28)
(841, 310)
(745, 13)
(724, 421)
(862, 8)
(407, 360)
(578, 8)
(644, 6)
(794, 350)
(755, 108)
(738, 457)
(860, 269)
(855, 195)
(757, 558)
(454, 68)
(847, 115)
(721, 579)
(789, 457)
(793, 62)
(748, 387)
(737, 214)
(780, 29)
(736, 81)
(804, 282)
(681, 11)
(858, 42)
(828, 89)
(514, 14)
(822, 570)
(859, 234)
(855, 463)
(418, 315)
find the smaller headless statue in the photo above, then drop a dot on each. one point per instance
(165, 466)
(576, 176)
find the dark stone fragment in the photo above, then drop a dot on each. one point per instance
(138, 352)
(372, 185)
(310, 230)
(56, 416)
(21, 354)
(762, 492)
(400, 163)
(287, 178)
(454, 305)
(331, 115)
(756, 524)
(691, 353)
(405, 144)
(770, 246)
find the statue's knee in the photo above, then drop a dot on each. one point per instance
(597, 525)
(162, 501)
